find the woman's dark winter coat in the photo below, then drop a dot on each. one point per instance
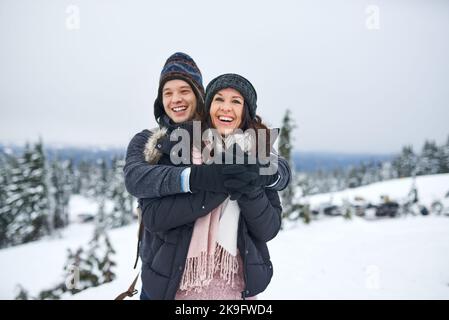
(168, 225)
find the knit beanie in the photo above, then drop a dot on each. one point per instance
(237, 82)
(179, 66)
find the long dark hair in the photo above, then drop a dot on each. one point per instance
(200, 111)
(256, 124)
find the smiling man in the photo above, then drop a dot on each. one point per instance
(181, 92)
(179, 100)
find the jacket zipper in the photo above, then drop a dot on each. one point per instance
(243, 258)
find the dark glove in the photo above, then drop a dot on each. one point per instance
(248, 173)
(239, 179)
(249, 190)
(262, 180)
(207, 177)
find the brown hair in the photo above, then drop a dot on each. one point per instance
(256, 124)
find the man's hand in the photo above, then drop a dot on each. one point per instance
(207, 177)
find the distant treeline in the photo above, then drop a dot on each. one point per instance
(431, 159)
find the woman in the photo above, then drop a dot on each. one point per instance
(203, 245)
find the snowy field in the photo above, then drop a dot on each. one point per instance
(332, 258)
(430, 188)
(404, 258)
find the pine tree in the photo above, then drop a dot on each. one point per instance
(38, 193)
(26, 205)
(122, 211)
(67, 188)
(95, 264)
(370, 174)
(69, 170)
(80, 178)
(12, 199)
(101, 179)
(378, 171)
(57, 194)
(52, 205)
(103, 250)
(443, 157)
(60, 192)
(429, 162)
(4, 220)
(22, 294)
(17, 204)
(406, 163)
(285, 150)
(98, 254)
(85, 179)
(352, 178)
(285, 143)
(339, 177)
(305, 184)
(386, 171)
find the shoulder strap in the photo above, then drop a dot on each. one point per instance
(139, 234)
(131, 290)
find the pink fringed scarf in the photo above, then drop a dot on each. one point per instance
(213, 246)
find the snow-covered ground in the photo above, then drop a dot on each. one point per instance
(430, 188)
(39, 265)
(80, 206)
(404, 258)
(333, 258)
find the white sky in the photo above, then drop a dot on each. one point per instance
(351, 89)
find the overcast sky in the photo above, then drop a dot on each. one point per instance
(351, 88)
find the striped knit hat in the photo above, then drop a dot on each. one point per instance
(179, 66)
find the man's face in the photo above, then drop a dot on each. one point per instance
(179, 100)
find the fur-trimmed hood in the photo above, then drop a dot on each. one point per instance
(154, 147)
(152, 151)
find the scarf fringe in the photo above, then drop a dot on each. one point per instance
(199, 271)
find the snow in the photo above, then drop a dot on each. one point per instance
(79, 205)
(39, 265)
(404, 258)
(332, 258)
(430, 188)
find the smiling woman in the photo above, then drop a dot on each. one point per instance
(231, 102)
(226, 110)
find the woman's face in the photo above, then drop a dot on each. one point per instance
(179, 100)
(226, 110)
